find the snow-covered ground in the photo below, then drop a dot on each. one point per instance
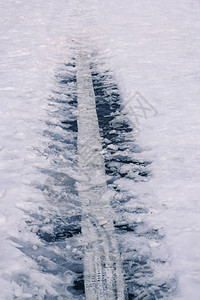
(32, 37)
(156, 47)
(153, 48)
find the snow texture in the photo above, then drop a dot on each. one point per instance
(153, 48)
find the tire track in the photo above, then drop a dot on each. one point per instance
(90, 240)
(102, 266)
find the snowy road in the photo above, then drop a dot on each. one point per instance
(99, 150)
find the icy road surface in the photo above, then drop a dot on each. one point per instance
(100, 204)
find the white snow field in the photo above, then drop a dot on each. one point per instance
(151, 48)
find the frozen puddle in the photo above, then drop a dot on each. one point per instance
(91, 238)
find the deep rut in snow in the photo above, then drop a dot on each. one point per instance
(93, 231)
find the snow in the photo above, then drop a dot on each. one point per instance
(153, 47)
(155, 50)
(31, 41)
(103, 274)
